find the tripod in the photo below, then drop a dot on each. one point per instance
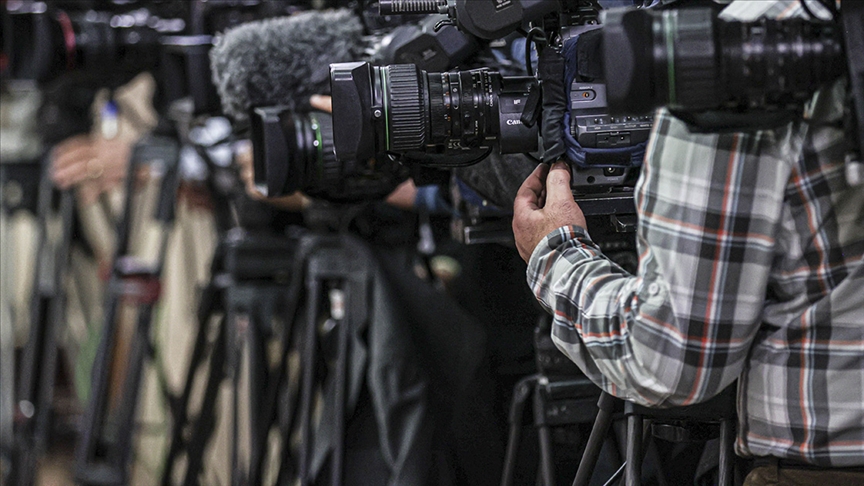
(694, 422)
(47, 306)
(256, 272)
(560, 395)
(104, 448)
(35, 394)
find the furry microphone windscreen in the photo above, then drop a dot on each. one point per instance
(282, 61)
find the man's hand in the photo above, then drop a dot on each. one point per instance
(322, 103)
(543, 204)
(92, 165)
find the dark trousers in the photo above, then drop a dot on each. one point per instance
(771, 473)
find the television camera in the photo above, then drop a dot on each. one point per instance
(458, 118)
(720, 75)
(111, 41)
(591, 97)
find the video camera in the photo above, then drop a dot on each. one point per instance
(594, 89)
(292, 146)
(458, 118)
(111, 41)
(718, 75)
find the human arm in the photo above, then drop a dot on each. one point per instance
(679, 331)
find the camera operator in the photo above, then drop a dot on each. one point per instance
(93, 140)
(750, 269)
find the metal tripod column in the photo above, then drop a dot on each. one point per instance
(47, 308)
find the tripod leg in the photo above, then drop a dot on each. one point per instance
(122, 449)
(544, 436)
(521, 392)
(259, 424)
(278, 379)
(633, 470)
(288, 417)
(235, 368)
(308, 367)
(339, 383)
(599, 432)
(203, 427)
(355, 293)
(181, 408)
(90, 438)
(39, 363)
(727, 456)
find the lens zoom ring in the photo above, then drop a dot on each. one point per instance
(407, 120)
(409, 6)
(695, 63)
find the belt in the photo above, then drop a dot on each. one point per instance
(793, 464)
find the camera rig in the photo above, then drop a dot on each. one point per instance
(719, 75)
(452, 119)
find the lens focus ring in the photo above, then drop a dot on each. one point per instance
(407, 117)
(327, 169)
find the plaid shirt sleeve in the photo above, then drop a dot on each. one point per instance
(751, 267)
(679, 332)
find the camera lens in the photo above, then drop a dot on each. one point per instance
(42, 42)
(695, 61)
(294, 152)
(404, 110)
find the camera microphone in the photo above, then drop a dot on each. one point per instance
(265, 72)
(282, 61)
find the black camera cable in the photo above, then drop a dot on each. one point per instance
(534, 36)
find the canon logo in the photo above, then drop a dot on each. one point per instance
(514, 122)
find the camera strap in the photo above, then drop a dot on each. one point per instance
(550, 71)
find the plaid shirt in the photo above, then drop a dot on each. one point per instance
(750, 268)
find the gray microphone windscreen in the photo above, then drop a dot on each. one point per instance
(282, 61)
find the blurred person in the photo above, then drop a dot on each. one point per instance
(94, 166)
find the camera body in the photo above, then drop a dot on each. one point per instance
(111, 41)
(458, 118)
(294, 148)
